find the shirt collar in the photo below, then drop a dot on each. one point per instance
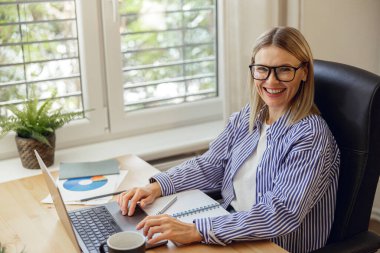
(278, 128)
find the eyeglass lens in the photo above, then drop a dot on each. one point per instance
(282, 73)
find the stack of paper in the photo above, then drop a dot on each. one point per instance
(89, 179)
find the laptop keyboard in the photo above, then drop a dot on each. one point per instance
(94, 226)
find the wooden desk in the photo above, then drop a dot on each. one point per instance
(26, 223)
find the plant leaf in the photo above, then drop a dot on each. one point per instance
(36, 120)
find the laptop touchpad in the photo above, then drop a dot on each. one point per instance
(129, 222)
(124, 221)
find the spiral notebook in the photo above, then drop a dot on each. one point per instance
(189, 205)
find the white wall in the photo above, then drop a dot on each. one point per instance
(345, 31)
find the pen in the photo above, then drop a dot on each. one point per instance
(169, 204)
(101, 196)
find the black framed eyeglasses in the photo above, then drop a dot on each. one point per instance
(282, 73)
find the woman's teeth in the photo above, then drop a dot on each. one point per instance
(274, 91)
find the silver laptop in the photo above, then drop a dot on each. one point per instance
(74, 222)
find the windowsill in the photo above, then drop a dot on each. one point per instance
(148, 147)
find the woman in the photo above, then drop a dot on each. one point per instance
(276, 163)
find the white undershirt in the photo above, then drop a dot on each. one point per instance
(244, 181)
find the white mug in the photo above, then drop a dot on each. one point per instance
(124, 242)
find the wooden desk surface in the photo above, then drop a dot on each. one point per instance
(27, 224)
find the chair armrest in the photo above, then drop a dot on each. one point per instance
(364, 242)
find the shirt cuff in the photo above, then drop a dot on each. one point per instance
(204, 227)
(166, 184)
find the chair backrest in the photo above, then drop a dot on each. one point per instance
(349, 100)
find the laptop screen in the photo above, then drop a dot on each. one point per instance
(58, 201)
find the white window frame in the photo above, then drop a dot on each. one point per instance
(95, 124)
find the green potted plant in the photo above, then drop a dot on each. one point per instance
(34, 123)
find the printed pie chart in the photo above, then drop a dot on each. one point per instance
(85, 183)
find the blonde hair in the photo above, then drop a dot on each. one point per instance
(291, 40)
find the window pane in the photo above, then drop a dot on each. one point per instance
(39, 52)
(12, 93)
(201, 85)
(204, 18)
(154, 74)
(198, 35)
(52, 69)
(151, 40)
(13, 73)
(47, 11)
(135, 6)
(49, 31)
(9, 34)
(8, 13)
(160, 91)
(168, 51)
(152, 56)
(51, 50)
(194, 4)
(205, 67)
(151, 21)
(10, 55)
(69, 104)
(200, 51)
(63, 87)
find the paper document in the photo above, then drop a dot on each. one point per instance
(72, 190)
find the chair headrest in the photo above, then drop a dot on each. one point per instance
(346, 96)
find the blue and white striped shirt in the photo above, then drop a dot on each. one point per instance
(296, 182)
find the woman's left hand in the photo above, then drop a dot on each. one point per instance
(169, 228)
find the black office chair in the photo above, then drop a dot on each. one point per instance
(349, 100)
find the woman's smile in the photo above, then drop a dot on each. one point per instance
(274, 91)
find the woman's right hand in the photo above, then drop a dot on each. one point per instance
(145, 195)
